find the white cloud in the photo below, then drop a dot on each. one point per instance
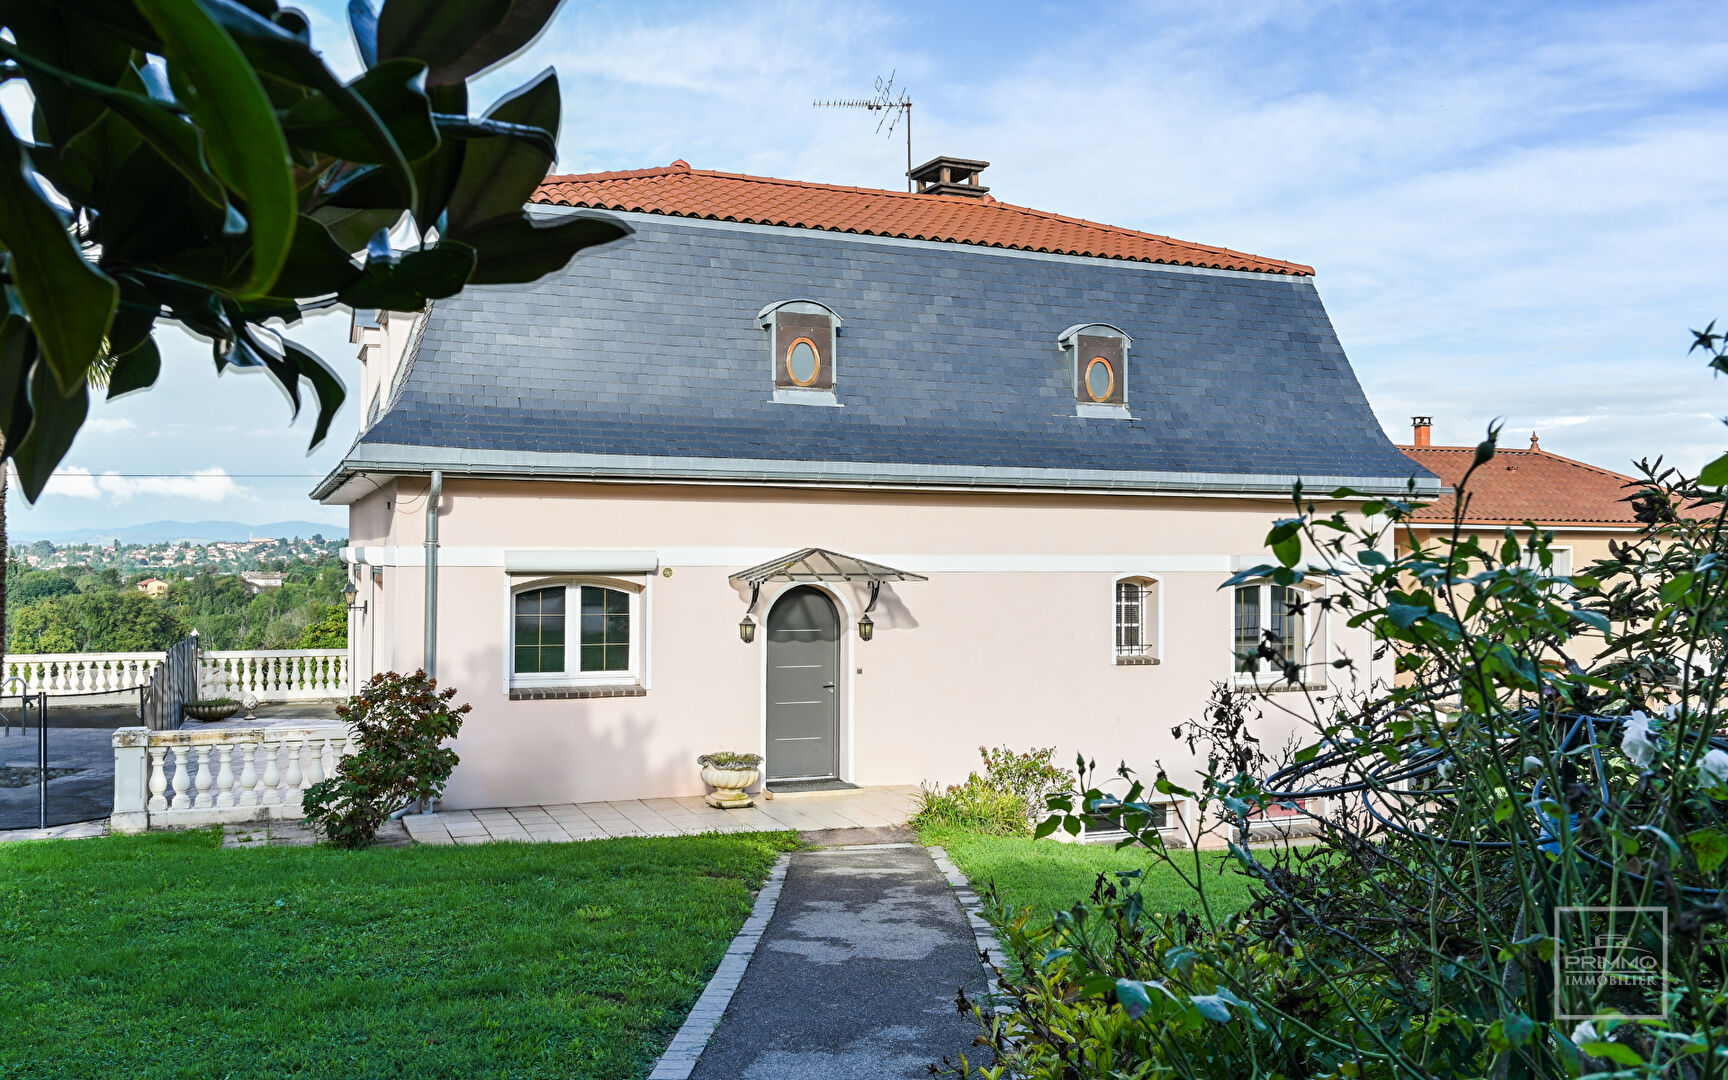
(109, 425)
(205, 485)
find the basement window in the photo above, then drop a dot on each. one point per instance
(1097, 359)
(802, 335)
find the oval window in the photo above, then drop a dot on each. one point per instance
(1100, 379)
(803, 362)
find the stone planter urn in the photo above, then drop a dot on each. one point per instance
(729, 775)
(211, 710)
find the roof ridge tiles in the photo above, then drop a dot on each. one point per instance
(949, 227)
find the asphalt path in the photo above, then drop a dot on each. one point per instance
(856, 975)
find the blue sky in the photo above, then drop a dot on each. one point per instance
(1514, 210)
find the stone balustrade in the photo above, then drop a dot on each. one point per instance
(274, 674)
(270, 674)
(79, 673)
(170, 779)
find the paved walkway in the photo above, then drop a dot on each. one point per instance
(803, 812)
(855, 976)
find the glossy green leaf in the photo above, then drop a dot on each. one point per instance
(405, 284)
(50, 38)
(69, 302)
(436, 31)
(316, 264)
(500, 173)
(323, 122)
(56, 418)
(245, 144)
(1619, 1053)
(165, 130)
(17, 354)
(363, 22)
(1709, 847)
(1131, 995)
(517, 248)
(136, 370)
(1212, 1007)
(521, 25)
(1715, 474)
(326, 385)
(349, 229)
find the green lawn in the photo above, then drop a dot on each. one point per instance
(166, 956)
(1047, 875)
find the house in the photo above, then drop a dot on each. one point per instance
(256, 581)
(151, 586)
(1584, 506)
(855, 479)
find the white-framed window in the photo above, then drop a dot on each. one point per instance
(1139, 611)
(576, 632)
(1281, 617)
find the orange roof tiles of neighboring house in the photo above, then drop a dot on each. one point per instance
(1526, 485)
(680, 191)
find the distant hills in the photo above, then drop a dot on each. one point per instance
(168, 532)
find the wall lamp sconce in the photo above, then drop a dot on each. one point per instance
(351, 593)
(866, 625)
(747, 625)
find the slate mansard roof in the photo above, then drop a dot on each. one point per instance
(643, 359)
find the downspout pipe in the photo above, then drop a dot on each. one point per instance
(433, 494)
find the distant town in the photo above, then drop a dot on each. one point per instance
(182, 557)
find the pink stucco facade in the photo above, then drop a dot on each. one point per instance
(1009, 641)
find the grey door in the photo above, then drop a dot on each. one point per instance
(803, 687)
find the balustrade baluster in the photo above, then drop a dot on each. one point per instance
(314, 754)
(158, 778)
(182, 778)
(249, 796)
(203, 781)
(272, 795)
(225, 775)
(295, 776)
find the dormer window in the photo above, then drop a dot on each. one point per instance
(1098, 358)
(801, 340)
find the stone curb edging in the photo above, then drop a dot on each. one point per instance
(991, 956)
(679, 1060)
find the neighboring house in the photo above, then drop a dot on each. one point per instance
(256, 581)
(152, 587)
(1584, 506)
(856, 479)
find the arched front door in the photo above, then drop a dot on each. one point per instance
(803, 687)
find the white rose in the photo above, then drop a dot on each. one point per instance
(1636, 740)
(1715, 767)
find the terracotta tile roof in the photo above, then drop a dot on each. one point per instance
(680, 191)
(1526, 485)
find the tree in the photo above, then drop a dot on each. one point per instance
(120, 620)
(328, 631)
(195, 161)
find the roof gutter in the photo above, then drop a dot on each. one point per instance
(509, 464)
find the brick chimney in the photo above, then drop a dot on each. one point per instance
(1423, 425)
(950, 176)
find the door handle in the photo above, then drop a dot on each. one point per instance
(827, 686)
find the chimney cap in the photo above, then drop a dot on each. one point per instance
(950, 176)
(1421, 421)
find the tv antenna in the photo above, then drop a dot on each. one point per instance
(895, 105)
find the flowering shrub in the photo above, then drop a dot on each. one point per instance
(1551, 746)
(400, 723)
(1003, 802)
